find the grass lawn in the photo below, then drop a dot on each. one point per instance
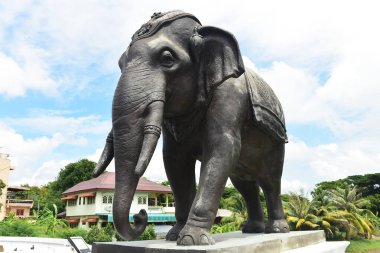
(364, 246)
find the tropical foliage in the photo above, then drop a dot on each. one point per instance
(303, 214)
(339, 208)
(49, 220)
(368, 184)
(228, 224)
(47, 225)
(338, 211)
(232, 200)
(351, 206)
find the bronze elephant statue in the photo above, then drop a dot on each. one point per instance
(190, 81)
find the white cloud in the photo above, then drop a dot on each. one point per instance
(294, 185)
(45, 173)
(39, 158)
(329, 161)
(26, 154)
(70, 126)
(28, 72)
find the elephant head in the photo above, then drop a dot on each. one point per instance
(169, 70)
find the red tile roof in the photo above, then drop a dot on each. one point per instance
(18, 188)
(106, 181)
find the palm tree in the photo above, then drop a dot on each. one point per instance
(351, 206)
(322, 203)
(235, 203)
(299, 211)
(303, 214)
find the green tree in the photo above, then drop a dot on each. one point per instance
(68, 176)
(73, 174)
(369, 186)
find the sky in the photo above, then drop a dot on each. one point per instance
(58, 73)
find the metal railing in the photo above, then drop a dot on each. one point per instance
(19, 201)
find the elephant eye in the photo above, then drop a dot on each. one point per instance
(167, 59)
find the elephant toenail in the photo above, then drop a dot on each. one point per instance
(186, 240)
(172, 237)
(204, 240)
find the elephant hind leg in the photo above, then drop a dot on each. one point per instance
(251, 193)
(270, 181)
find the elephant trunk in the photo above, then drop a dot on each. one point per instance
(124, 193)
(127, 178)
(137, 120)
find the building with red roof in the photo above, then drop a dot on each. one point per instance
(89, 203)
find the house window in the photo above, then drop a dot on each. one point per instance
(141, 200)
(104, 199)
(109, 199)
(80, 200)
(71, 202)
(90, 200)
(84, 201)
(73, 225)
(92, 224)
(20, 212)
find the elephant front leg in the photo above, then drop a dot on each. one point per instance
(221, 144)
(216, 166)
(180, 169)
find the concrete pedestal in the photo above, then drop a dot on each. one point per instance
(234, 242)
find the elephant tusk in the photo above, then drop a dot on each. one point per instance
(152, 132)
(151, 136)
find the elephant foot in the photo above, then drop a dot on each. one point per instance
(251, 227)
(194, 236)
(173, 233)
(277, 226)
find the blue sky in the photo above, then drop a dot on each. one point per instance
(58, 72)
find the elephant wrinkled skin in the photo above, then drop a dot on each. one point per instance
(189, 80)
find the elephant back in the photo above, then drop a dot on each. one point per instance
(267, 111)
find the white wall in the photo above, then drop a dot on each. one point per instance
(135, 208)
(103, 208)
(80, 210)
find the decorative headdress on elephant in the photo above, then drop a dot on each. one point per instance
(215, 50)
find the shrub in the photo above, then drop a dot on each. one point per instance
(148, 234)
(228, 224)
(17, 227)
(100, 234)
(69, 232)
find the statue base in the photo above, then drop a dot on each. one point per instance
(293, 242)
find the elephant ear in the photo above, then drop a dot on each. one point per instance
(218, 55)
